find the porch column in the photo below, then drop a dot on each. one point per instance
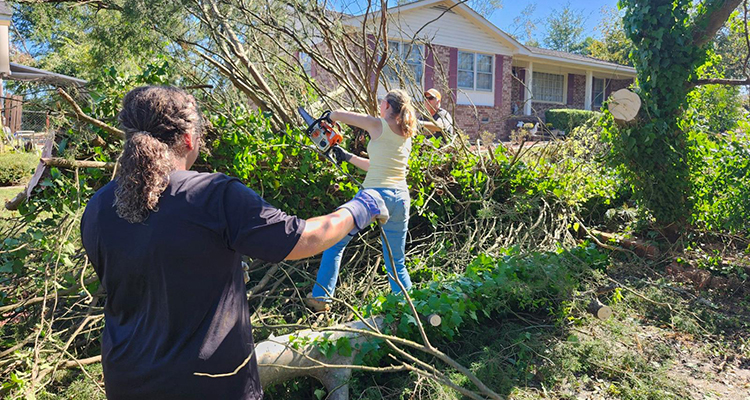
(589, 89)
(529, 95)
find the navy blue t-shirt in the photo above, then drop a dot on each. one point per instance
(176, 301)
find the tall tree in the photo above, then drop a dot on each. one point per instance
(524, 25)
(614, 45)
(54, 34)
(671, 40)
(564, 30)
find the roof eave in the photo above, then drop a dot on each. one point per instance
(27, 73)
(622, 69)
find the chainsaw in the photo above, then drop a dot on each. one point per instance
(322, 131)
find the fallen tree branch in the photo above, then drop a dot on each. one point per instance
(93, 121)
(65, 163)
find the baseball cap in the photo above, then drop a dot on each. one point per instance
(434, 93)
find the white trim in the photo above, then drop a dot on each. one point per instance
(422, 54)
(528, 95)
(564, 88)
(603, 66)
(589, 86)
(492, 72)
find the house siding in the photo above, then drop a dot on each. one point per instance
(448, 28)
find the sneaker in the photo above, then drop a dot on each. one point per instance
(317, 305)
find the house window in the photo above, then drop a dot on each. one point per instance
(548, 87)
(406, 57)
(599, 92)
(474, 71)
(306, 61)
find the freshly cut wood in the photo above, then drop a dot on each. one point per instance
(433, 319)
(599, 310)
(624, 105)
(286, 357)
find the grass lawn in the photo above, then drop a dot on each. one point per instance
(7, 193)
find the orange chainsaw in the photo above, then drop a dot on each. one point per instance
(322, 131)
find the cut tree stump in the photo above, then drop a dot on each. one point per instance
(599, 310)
(624, 105)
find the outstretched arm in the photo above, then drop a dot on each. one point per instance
(371, 124)
(322, 233)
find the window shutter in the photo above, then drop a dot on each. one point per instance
(453, 72)
(571, 88)
(429, 68)
(499, 80)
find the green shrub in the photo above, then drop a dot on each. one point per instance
(720, 175)
(568, 119)
(15, 167)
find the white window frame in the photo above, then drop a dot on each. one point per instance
(474, 72)
(392, 76)
(536, 80)
(603, 92)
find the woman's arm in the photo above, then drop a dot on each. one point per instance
(372, 125)
(359, 162)
(322, 233)
(430, 127)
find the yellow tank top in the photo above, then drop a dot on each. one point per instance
(389, 160)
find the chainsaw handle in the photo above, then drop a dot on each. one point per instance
(326, 116)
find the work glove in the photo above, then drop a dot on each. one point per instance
(340, 155)
(326, 116)
(366, 205)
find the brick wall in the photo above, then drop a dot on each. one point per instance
(578, 90)
(475, 120)
(614, 85)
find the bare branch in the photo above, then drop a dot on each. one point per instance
(93, 121)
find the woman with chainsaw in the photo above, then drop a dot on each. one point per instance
(388, 149)
(166, 244)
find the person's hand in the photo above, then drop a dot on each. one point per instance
(366, 205)
(340, 155)
(326, 116)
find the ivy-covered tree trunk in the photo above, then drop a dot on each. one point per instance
(670, 40)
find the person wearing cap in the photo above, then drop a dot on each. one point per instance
(441, 122)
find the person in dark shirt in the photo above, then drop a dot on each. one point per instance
(440, 124)
(166, 244)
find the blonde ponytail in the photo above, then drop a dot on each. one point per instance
(406, 117)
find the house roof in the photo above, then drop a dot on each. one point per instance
(20, 72)
(527, 52)
(576, 57)
(6, 13)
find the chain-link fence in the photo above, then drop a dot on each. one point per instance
(35, 121)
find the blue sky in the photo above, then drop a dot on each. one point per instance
(503, 18)
(591, 9)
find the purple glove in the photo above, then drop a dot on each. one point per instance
(366, 205)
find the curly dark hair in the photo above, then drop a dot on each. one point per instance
(153, 118)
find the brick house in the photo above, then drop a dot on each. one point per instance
(488, 79)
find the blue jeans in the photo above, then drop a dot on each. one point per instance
(398, 202)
